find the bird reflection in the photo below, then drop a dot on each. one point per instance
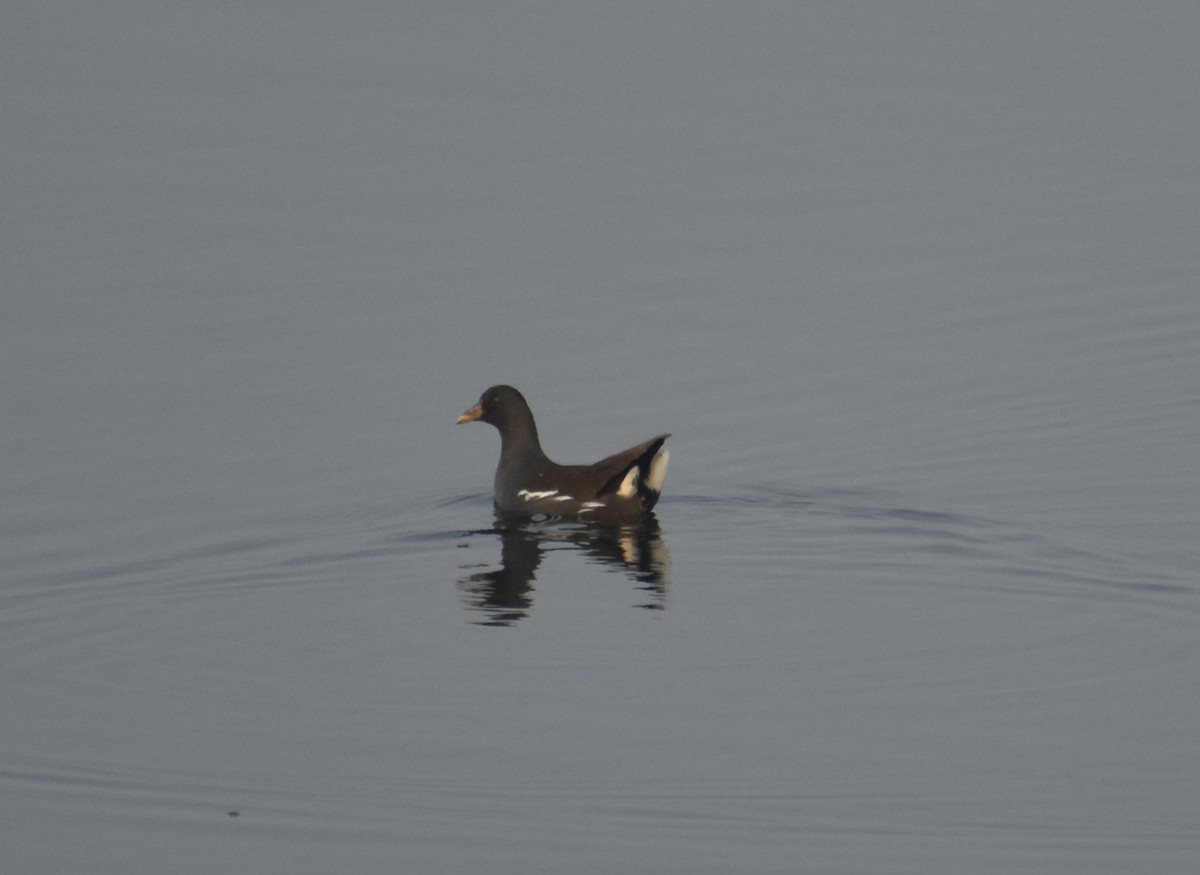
(505, 595)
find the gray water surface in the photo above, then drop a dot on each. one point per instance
(914, 287)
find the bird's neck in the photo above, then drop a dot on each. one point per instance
(519, 437)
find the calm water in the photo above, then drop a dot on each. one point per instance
(914, 287)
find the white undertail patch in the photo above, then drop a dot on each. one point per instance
(658, 472)
(628, 487)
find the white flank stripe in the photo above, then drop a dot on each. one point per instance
(533, 496)
(562, 498)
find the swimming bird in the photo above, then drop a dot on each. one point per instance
(620, 488)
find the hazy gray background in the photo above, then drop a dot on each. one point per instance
(914, 285)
